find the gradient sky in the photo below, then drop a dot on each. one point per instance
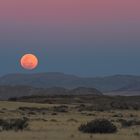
(82, 37)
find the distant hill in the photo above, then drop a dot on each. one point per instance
(132, 87)
(115, 83)
(20, 91)
(128, 90)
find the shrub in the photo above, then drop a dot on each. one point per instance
(12, 99)
(14, 124)
(72, 120)
(117, 115)
(62, 109)
(54, 114)
(98, 126)
(129, 123)
(137, 134)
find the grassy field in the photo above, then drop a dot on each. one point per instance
(61, 122)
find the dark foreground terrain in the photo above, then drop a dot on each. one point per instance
(87, 102)
(62, 117)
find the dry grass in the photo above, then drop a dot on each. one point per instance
(57, 127)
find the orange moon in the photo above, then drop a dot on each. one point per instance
(29, 61)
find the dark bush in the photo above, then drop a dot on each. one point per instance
(126, 123)
(12, 99)
(54, 114)
(62, 109)
(14, 124)
(117, 115)
(98, 126)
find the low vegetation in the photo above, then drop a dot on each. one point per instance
(98, 126)
(70, 117)
(85, 103)
(129, 123)
(14, 124)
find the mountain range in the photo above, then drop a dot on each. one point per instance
(117, 83)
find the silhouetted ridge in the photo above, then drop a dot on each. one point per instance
(19, 91)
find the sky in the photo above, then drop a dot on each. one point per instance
(81, 37)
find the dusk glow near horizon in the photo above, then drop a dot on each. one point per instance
(82, 37)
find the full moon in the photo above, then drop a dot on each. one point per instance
(29, 61)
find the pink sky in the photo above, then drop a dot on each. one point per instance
(71, 11)
(85, 18)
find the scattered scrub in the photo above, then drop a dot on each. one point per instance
(33, 109)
